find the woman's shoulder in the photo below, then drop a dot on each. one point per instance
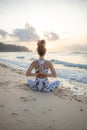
(48, 62)
(34, 62)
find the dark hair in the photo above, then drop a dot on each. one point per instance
(41, 47)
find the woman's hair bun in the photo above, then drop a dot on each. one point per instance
(41, 47)
(41, 42)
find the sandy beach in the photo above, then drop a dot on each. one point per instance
(24, 109)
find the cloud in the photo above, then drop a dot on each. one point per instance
(3, 33)
(20, 35)
(26, 34)
(51, 36)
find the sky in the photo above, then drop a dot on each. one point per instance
(62, 23)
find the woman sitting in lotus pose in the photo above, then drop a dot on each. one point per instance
(41, 66)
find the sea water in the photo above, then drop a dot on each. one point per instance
(71, 67)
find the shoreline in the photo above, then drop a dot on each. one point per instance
(24, 109)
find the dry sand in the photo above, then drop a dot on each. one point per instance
(24, 109)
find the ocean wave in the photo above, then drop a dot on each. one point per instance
(32, 59)
(20, 57)
(79, 52)
(83, 66)
(75, 75)
(10, 63)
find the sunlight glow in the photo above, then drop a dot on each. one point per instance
(49, 46)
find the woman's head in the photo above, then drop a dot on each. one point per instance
(41, 47)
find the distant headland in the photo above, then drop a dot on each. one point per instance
(12, 48)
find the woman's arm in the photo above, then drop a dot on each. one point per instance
(29, 73)
(53, 72)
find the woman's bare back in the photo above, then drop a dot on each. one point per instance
(47, 65)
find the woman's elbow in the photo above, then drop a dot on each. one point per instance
(27, 74)
(55, 75)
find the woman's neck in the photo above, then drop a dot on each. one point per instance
(41, 57)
